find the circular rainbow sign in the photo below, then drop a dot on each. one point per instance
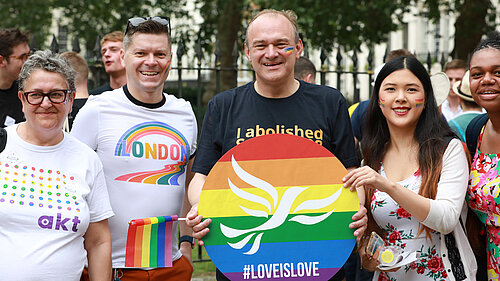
(278, 211)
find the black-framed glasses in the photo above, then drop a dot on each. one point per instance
(138, 20)
(55, 96)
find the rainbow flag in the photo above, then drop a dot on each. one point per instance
(149, 242)
(269, 168)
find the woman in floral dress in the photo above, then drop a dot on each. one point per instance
(483, 194)
(415, 177)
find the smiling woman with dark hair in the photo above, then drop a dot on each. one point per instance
(415, 178)
(54, 204)
(483, 194)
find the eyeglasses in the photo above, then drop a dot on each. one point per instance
(55, 96)
(22, 57)
(134, 22)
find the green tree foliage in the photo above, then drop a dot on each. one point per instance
(28, 15)
(91, 18)
(346, 23)
(86, 18)
(331, 23)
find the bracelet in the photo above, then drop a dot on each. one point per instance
(186, 238)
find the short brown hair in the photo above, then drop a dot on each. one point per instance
(303, 67)
(398, 53)
(9, 38)
(79, 64)
(455, 64)
(147, 27)
(115, 36)
(288, 14)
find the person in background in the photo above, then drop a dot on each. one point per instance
(14, 51)
(305, 70)
(484, 187)
(81, 68)
(111, 46)
(455, 70)
(157, 133)
(54, 208)
(415, 180)
(470, 109)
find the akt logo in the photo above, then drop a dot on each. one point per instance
(154, 141)
(60, 223)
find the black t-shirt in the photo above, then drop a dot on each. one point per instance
(11, 108)
(318, 113)
(77, 105)
(101, 89)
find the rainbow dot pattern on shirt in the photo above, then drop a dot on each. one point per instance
(37, 187)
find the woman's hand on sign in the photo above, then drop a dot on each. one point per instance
(367, 177)
(199, 226)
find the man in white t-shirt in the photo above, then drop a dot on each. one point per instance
(146, 141)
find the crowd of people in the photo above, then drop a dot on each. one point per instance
(76, 168)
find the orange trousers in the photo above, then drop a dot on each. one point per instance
(181, 270)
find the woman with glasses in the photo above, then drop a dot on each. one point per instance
(54, 204)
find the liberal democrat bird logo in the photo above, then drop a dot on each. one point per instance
(277, 208)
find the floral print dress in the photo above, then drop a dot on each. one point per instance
(401, 229)
(483, 198)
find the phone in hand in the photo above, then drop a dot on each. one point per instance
(373, 243)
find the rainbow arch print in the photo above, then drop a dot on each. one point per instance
(124, 145)
(175, 150)
(279, 211)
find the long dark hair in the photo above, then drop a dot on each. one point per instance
(429, 133)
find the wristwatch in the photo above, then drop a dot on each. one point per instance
(187, 238)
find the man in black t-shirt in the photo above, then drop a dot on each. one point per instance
(275, 103)
(14, 51)
(111, 47)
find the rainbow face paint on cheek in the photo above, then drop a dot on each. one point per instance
(420, 102)
(288, 50)
(381, 102)
(167, 66)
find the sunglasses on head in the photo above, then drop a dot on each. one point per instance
(134, 22)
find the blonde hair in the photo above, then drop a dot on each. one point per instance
(115, 36)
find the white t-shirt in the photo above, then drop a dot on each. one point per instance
(448, 113)
(145, 150)
(48, 197)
